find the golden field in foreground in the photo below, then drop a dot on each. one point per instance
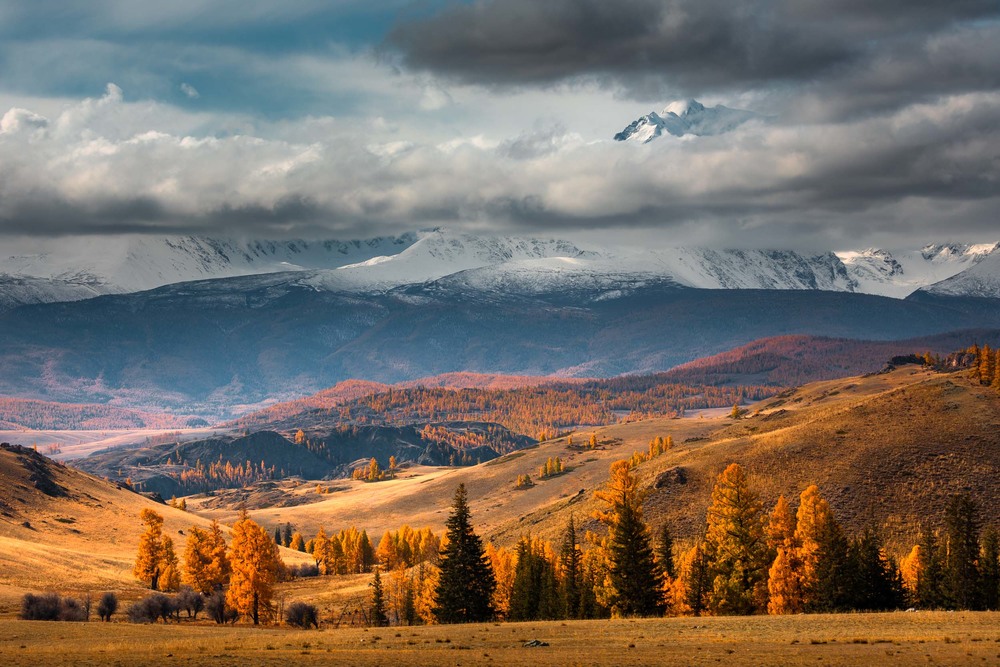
(845, 639)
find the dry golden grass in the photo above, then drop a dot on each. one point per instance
(849, 639)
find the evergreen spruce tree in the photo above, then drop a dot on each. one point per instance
(989, 563)
(665, 551)
(696, 574)
(828, 590)
(534, 594)
(930, 594)
(962, 571)
(466, 584)
(286, 538)
(277, 536)
(875, 583)
(571, 585)
(378, 617)
(633, 570)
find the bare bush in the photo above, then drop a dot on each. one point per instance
(191, 601)
(302, 615)
(218, 610)
(152, 609)
(107, 606)
(51, 607)
(303, 570)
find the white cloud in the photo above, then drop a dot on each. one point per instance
(928, 171)
(190, 91)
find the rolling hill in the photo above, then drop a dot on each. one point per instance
(63, 529)
(886, 449)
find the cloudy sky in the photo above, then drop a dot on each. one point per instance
(346, 119)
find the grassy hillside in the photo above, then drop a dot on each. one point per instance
(793, 360)
(63, 529)
(885, 449)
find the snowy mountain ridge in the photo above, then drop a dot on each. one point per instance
(688, 117)
(499, 264)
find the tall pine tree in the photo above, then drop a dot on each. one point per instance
(571, 584)
(633, 570)
(962, 569)
(989, 563)
(465, 586)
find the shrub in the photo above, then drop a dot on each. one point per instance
(71, 609)
(151, 609)
(302, 615)
(191, 601)
(44, 607)
(303, 570)
(51, 607)
(107, 606)
(217, 609)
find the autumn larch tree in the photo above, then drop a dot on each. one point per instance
(206, 563)
(823, 550)
(784, 580)
(170, 578)
(149, 559)
(633, 571)
(465, 585)
(502, 564)
(256, 565)
(736, 545)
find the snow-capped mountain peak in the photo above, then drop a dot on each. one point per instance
(683, 108)
(898, 273)
(685, 117)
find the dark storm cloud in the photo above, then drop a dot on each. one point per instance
(661, 47)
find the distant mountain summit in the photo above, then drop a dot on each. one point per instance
(685, 117)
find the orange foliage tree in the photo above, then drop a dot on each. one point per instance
(256, 566)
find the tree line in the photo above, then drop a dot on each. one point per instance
(747, 561)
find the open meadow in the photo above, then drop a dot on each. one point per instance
(931, 638)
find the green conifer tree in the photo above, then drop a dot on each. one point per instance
(962, 527)
(930, 594)
(378, 615)
(665, 551)
(571, 585)
(990, 570)
(875, 582)
(466, 583)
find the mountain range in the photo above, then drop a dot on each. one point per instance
(78, 269)
(238, 325)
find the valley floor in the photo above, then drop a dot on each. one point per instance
(846, 639)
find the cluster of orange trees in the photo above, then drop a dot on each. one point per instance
(985, 365)
(246, 570)
(374, 473)
(200, 477)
